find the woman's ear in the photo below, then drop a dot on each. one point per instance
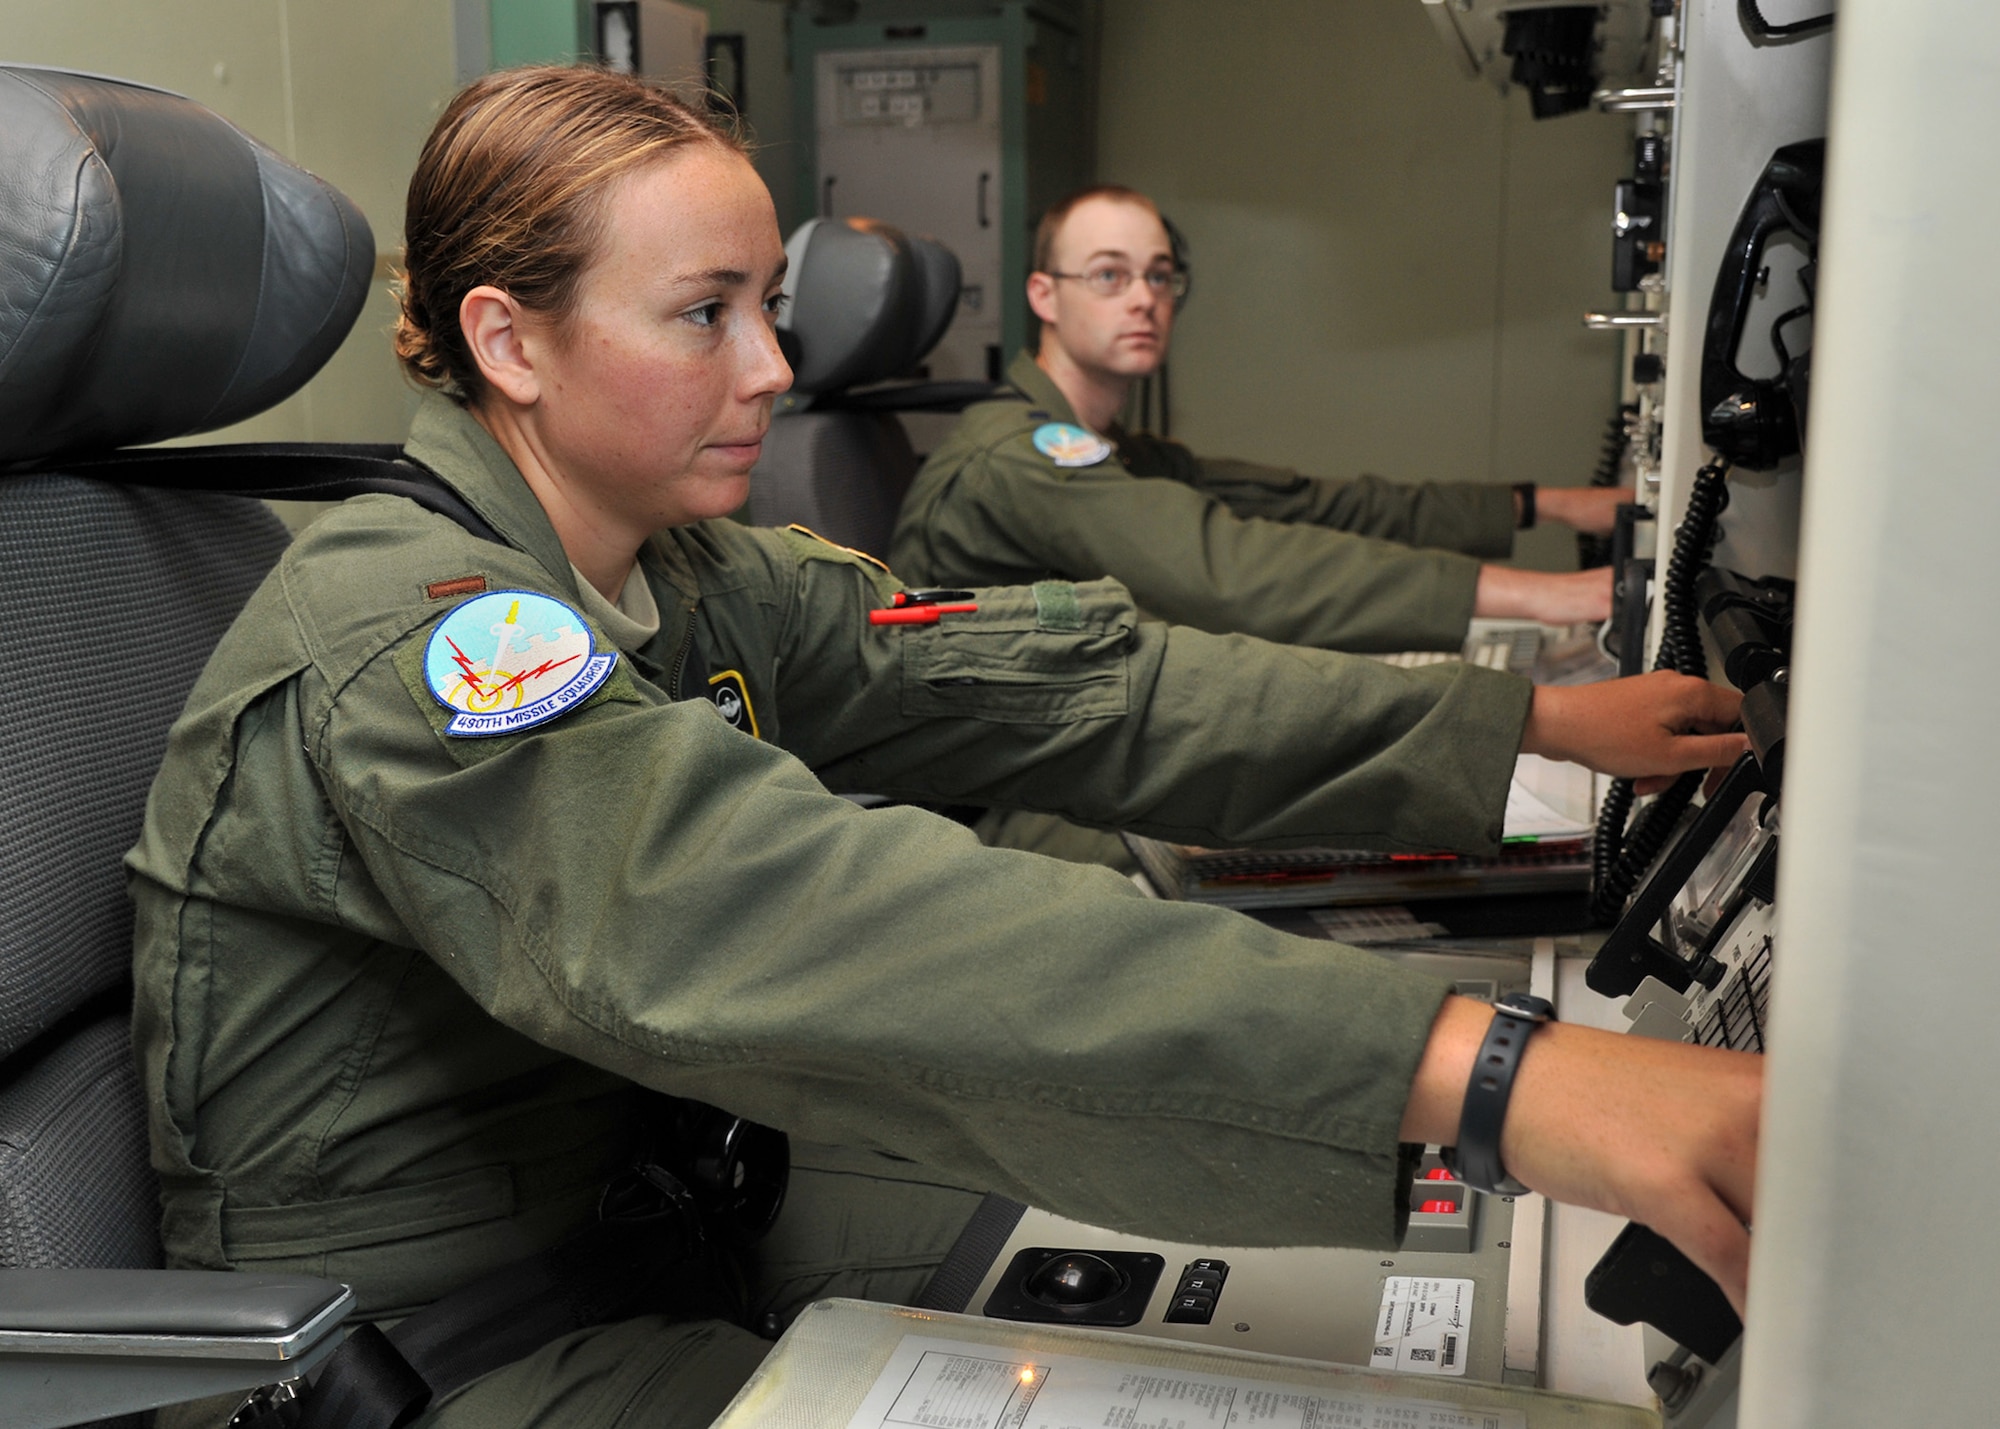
(492, 323)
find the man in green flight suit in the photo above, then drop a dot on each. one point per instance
(464, 850)
(1044, 482)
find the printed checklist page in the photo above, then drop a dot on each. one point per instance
(932, 1383)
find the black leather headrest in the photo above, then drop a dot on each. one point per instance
(867, 302)
(161, 272)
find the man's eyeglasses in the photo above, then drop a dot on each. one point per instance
(1109, 281)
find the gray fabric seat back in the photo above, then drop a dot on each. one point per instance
(868, 303)
(76, 1191)
(113, 598)
(160, 273)
(842, 475)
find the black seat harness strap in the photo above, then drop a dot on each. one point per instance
(284, 471)
(313, 471)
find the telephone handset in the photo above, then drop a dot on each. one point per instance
(1756, 422)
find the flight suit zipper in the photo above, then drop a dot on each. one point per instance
(688, 658)
(680, 661)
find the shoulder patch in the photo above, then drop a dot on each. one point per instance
(874, 561)
(509, 660)
(1067, 445)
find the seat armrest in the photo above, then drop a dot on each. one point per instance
(241, 1309)
(85, 1344)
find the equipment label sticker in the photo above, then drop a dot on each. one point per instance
(1425, 1326)
(510, 660)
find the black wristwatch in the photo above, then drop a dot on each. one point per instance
(1476, 1158)
(1524, 492)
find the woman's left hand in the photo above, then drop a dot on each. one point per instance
(1643, 727)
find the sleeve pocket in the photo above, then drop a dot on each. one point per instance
(1004, 665)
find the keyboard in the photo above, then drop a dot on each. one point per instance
(1495, 645)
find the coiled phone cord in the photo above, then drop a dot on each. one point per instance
(1594, 551)
(1618, 855)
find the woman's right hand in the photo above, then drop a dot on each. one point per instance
(1661, 1133)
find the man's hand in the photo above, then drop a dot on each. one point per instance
(1593, 510)
(1661, 1133)
(1505, 593)
(1644, 727)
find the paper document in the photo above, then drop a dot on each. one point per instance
(933, 1383)
(1547, 800)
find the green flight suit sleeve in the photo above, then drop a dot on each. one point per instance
(1473, 518)
(637, 885)
(1185, 555)
(1058, 698)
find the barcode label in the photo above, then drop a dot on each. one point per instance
(1421, 1323)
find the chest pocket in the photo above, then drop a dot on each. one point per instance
(1055, 654)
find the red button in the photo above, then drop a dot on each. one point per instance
(1439, 1208)
(1438, 1173)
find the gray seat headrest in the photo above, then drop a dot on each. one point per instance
(161, 272)
(866, 302)
(938, 267)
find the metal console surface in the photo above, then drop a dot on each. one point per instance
(1309, 1302)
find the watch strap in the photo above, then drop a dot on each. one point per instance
(1476, 1157)
(1524, 519)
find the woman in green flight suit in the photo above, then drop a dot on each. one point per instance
(452, 862)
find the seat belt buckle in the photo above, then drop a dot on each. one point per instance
(265, 1403)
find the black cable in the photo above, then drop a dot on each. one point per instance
(1617, 437)
(1638, 846)
(1754, 21)
(1680, 629)
(1778, 344)
(1620, 855)
(1608, 840)
(1594, 551)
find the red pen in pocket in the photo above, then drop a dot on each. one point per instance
(923, 607)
